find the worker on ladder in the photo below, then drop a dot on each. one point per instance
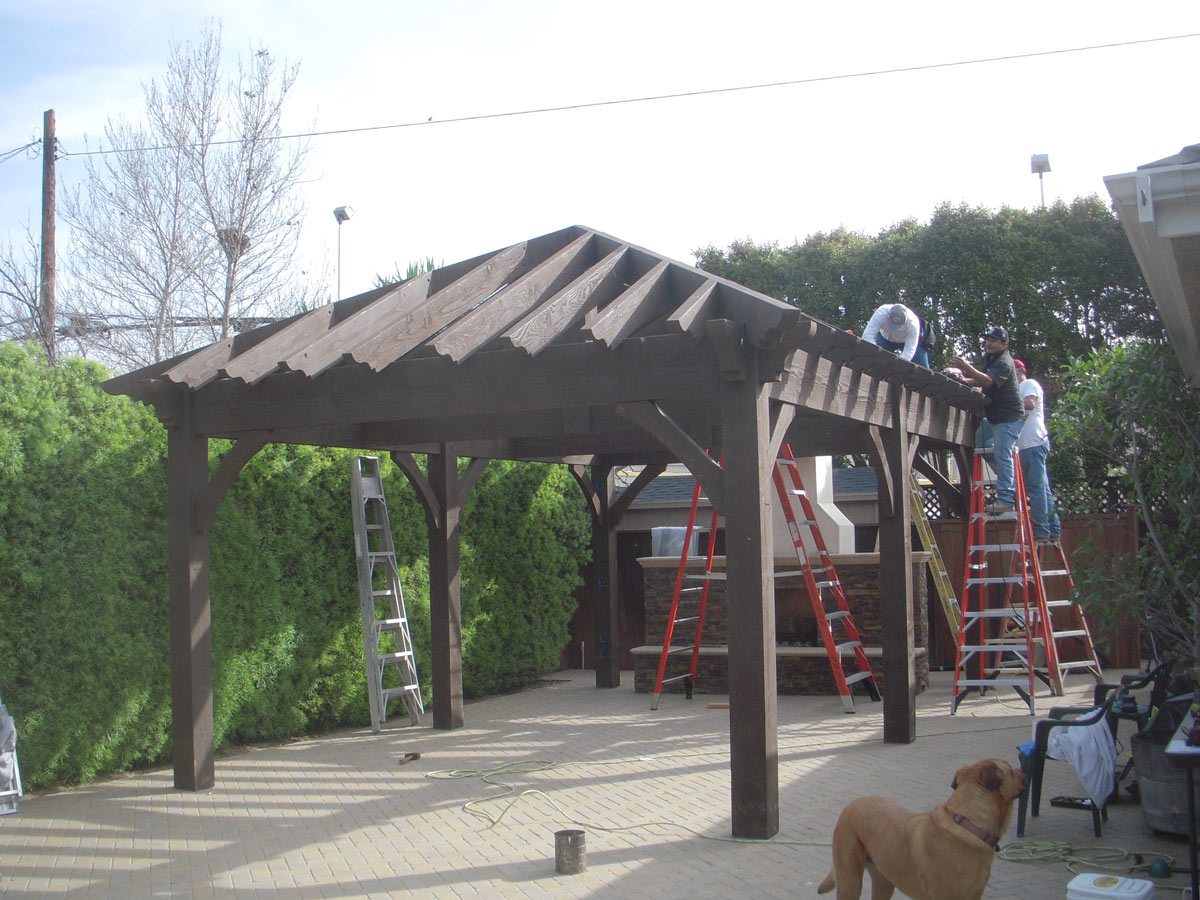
(1034, 444)
(1004, 414)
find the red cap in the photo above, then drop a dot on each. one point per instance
(1019, 364)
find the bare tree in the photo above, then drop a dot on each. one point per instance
(189, 227)
(20, 312)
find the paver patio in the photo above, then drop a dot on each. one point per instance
(339, 816)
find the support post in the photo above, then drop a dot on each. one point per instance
(445, 593)
(605, 619)
(189, 615)
(895, 578)
(750, 591)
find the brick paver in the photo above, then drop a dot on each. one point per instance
(337, 816)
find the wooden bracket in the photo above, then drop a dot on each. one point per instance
(659, 425)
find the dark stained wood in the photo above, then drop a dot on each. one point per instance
(749, 561)
(657, 423)
(474, 329)
(189, 574)
(598, 485)
(543, 325)
(232, 463)
(631, 310)
(895, 578)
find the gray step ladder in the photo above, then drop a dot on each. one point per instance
(10, 782)
(381, 598)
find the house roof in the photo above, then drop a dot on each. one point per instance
(547, 349)
(677, 489)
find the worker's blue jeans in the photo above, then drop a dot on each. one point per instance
(1046, 525)
(1002, 437)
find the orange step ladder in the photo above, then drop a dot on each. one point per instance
(821, 581)
(1074, 649)
(997, 641)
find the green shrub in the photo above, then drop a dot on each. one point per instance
(83, 581)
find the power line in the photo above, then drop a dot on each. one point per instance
(816, 79)
(9, 154)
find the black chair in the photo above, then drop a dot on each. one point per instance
(1034, 753)
(1126, 705)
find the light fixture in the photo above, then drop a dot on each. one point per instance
(1039, 165)
(342, 214)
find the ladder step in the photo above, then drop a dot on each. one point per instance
(390, 624)
(1053, 573)
(1072, 633)
(998, 579)
(687, 619)
(1058, 604)
(710, 576)
(392, 693)
(676, 678)
(692, 590)
(994, 548)
(1077, 664)
(837, 614)
(847, 647)
(992, 682)
(992, 614)
(826, 584)
(398, 656)
(859, 676)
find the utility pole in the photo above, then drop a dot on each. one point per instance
(49, 151)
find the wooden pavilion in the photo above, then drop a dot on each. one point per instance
(572, 347)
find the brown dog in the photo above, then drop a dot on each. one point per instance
(944, 854)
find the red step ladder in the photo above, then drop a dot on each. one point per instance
(997, 641)
(1074, 649)
(823, 586)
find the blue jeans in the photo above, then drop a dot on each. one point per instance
(1041, 499)
(1002, 437)
(920, 355)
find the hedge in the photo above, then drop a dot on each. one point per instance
(83, 583)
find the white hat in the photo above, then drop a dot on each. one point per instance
(898, 314)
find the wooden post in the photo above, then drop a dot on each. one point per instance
(190, 622)
(895, 578)
(605, 607)
(445, 592)
(47, 300)
(750, 591)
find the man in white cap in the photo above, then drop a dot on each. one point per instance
(895, 327)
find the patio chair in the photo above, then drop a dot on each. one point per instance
(1033, 755)
(1126, 706)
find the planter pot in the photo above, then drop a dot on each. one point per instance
(1162, 786)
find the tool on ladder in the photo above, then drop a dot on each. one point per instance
(10, 769)
(379, 586)
(826, 596)
(937, 565)
(997, 640)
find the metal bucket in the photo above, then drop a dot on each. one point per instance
(570, 852)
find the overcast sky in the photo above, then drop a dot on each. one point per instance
(772, 164)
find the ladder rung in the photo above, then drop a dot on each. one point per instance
(687, 619)
(825, 584)
(846, 647)
(388, 592)
(694, 590)
(993, 682)
(389, 693)
(1077, 664)
(389, 624)
(797, 492)
(1058, 604)
(994, 548)
(998, 579)
(676, 678)
(398, 656)
(992, 648)
(1050, 573)
(859, 676)
(992, 614)
(709, 576)
(1073, 633)
(837, 614)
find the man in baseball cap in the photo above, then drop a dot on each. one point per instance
(1003, 415)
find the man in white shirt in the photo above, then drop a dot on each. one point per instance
(1034, 445)
(895, 327)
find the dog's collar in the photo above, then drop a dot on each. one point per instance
(992, 840)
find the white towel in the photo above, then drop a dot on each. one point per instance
(1092, 752)
(8, 752)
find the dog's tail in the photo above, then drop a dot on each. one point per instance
(827, 885)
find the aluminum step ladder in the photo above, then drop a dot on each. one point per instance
(996, 640)
(387, 640)
(10, 781)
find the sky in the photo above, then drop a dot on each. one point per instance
(772, 164)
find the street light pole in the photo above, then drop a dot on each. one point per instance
(342, 214)
(1039, 164)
